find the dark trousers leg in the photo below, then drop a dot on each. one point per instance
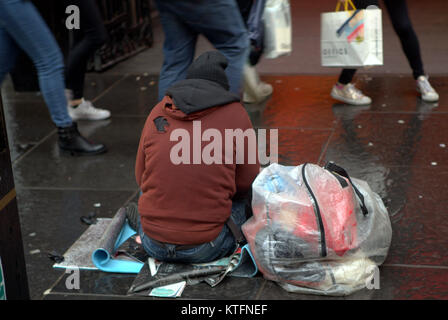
(87, 39)
(399, 15)
(346, 76)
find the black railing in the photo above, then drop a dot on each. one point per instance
(129, 26)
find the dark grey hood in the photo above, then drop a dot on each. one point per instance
(193, 95)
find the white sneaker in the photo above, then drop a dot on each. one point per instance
(350, 94)
(255, 90)
(424, 88)
(86, 111)
(263, 91)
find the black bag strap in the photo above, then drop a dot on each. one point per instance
(332, 167)
(236, 231)
(317, 212)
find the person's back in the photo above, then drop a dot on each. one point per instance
(188, 184)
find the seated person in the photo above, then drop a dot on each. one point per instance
(186, 199)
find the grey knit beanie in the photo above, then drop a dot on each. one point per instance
(211, 66)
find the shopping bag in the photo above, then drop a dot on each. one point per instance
(277, 28)
(352, 38)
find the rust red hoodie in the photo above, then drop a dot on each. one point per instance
(190, 203)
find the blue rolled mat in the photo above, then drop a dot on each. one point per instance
(114, 236)
(246, 267)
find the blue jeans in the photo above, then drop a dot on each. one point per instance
(222, 246)
(219, 21)
(22, 26)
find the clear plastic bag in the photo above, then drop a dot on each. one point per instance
(277, 29)
(316, 230)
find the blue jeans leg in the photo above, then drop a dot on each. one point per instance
(229, 36)
(8, 53)
(178, 48)
(21, 23)
(222, 246)
(219, 21)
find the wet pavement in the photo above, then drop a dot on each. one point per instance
(398, 144)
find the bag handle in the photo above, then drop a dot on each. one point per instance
(331, 166)
(346, 4)
(236, 232)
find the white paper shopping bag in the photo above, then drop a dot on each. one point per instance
(278, 29)
(352, 38)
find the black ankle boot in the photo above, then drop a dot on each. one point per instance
(70, 140)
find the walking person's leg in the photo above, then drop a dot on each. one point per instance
(344, 90)
(28, 30)
(91, 36)
(21, 20)
(218, 20)
(178, 47)
(399, 15)
(347, 76)
(224, 27)
(255, 90)
(8, 53)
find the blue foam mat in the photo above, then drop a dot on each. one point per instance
(103, 261)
